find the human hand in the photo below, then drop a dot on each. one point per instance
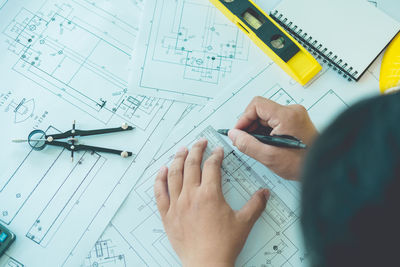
(260, 116)
(201, 226)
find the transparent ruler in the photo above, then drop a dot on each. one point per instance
(238, 174)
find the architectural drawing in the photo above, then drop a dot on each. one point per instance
(58, 208)
(198, 46)
(67, 195)
(22, 110)
(331, 103)
(138, 220)
(7, 261)
(57, 167)
(104, 254)
(43, 42)
(240, 181)
(276, 238)
(111, 250)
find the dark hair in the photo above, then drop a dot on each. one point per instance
(351, 188)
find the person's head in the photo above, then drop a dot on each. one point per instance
(351, 188)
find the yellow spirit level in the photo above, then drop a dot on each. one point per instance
(282, 48)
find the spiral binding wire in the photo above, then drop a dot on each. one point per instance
(321, 52)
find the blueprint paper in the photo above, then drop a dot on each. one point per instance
(187, 51)
(122, 241)
(327, 77)
(63, 61)
(111, 250)
(276, 238)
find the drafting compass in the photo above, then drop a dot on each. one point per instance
(38, 140)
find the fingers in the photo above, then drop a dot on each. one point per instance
(175, 174)
(212, 169)
(254, 207)
(260, 109)
(250, 145)
(161, 191)
(193, 164)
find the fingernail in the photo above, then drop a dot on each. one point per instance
(233, 133)
(202, 140)
(163, 169)
(181, 150)
(267, 194)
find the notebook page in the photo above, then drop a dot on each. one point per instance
(353, 30)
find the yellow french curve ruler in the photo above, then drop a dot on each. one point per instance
(271, 38)
(390, 70)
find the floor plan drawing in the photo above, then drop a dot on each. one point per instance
(60, 204)
(58, 208)
(57, 167)
(70, 60)
(276, 238)
(239, 182)
(200, 48)
(47, 56)
(330, 102)
(105, 254)
(138, 219)
(111, 250)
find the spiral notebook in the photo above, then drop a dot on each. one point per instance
(347, 34)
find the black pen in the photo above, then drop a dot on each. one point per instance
(285, 141)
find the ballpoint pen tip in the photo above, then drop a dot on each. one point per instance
(223, 131)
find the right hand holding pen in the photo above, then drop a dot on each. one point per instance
(262, 114)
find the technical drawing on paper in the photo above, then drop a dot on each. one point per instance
(274, 245)
(22, 110)
(111, 250)
(7, 261)
(276, 238)
(204, 51)
(198, 46)
(330, 102)
(48, 55)
(105, 254)
(239, 181)
(71, 182)
(66, 60)
(3, 3)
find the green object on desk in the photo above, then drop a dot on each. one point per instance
(6, 239)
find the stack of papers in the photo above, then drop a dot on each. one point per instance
(176, 71)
